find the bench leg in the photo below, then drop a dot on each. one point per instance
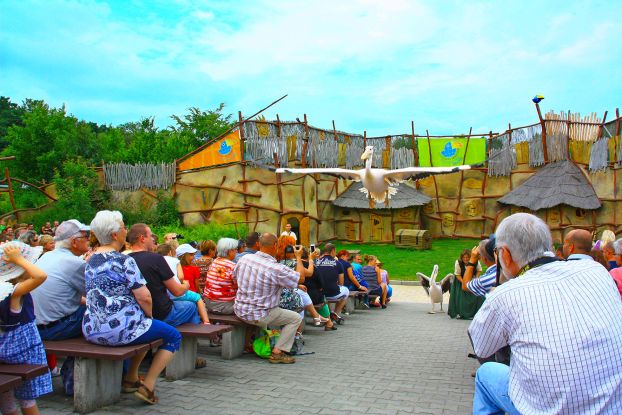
(97, 383)
(184, 359)
(350, 305)
(233, 342)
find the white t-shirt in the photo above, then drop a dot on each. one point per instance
(290, 233)
(172, 263)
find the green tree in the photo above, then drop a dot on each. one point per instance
(10, 114)
(198, 126)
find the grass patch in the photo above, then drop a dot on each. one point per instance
(403, 264)
(212, 230)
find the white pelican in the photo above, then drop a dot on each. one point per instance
(434, 289)
(377, 183)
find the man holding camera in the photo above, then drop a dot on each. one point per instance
(260, 279)
(562, 322)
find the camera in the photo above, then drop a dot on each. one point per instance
(178, 236)
(312, 248)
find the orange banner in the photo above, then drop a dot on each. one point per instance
(226, 150)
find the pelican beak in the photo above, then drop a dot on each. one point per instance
(366, 155)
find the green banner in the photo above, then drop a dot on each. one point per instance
(448, 151)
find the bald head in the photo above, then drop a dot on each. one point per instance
(267, 244)
(578, 241)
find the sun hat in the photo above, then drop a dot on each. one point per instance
(70, 228)
(9, 270)
(184, 249)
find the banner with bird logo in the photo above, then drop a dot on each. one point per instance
(447, 152)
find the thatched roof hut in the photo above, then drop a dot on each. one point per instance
(406, 196)
(560, 183)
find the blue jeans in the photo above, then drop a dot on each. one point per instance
(491, 390)
(70, 328)
(66, 329)
(182, 312)
(160, 330)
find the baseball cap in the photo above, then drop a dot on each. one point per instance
(70, 228)
(184, 249)
(9, 270)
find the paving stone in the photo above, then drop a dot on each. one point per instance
(398, 360)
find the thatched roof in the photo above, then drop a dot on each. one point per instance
(406, 196)
(560, 183)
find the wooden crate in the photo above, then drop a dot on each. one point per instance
(413, 239)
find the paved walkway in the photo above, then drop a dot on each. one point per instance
(393, 361)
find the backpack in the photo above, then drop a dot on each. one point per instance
(290, 300)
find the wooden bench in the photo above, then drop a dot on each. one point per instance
(233, 340)
(9, 382)
(184, 360)
(25, 372)
(98, 370)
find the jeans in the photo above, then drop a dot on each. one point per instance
(491, 390)
(160, 330)
(69, 328)
(182, 312)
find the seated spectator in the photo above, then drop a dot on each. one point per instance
(301, 291)
(252, 246)
(166, 250)
(384, 274)
(29, 238)
(185, 254)
(313, 285)
(606, 236)
(599, 257)
(59, 301)
(610, 255)
(47, 229)
(119, 306)
(10, 233)
(208, 253)
(160, 280)
(331, 273)
(485, 283)
(171, 239)
(616, 273)
(351, 282)
(55, 227)
(565, 336)
(241, 246)
(260, 280)
(220, 286)
(47, 242)
(577, 245)
(463, 305)
(373, 278)
(20, 342)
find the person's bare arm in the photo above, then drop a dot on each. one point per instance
(176, 288)
(36, 275)
(143, 298)
(300, 268)
(378, 275)
(468, 273)
(311, 267)
(354, 281)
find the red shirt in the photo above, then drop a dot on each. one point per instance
(220, 284)
(191, 274)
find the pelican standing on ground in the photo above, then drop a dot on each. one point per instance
(434, 289)
(378, 183)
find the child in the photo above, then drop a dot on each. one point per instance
(384, 275)
(185, 254)
(20, 342)
(167, 251)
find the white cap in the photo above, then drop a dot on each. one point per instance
(184, 249)
(70, 228)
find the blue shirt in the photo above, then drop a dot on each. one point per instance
(574, 257)
(241, 254)
(113, 317)
(482, 285)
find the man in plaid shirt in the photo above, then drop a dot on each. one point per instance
(260, 279)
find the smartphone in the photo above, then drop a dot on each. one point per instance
(312, 247)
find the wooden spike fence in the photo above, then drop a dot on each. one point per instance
(123, 176)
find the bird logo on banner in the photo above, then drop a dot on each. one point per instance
(449, 151)
(225, 148)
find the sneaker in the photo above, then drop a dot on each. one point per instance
(55, 372)
(281, 358)
(366, 305)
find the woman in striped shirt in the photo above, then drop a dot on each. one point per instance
(220, 286)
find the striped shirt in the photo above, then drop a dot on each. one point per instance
(260, 280)
(562, 322)
(219, 282)
(482, 285)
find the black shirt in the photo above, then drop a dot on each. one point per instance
(328, 269)
(155, 270)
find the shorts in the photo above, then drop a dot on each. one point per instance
(343, 293)
(188, 296)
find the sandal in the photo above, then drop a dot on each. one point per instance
(200, 363)
(129, 386)
(330, 328)
(318, 321)
(147, 397)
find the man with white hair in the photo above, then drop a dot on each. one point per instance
(58, 302)
(562, 322)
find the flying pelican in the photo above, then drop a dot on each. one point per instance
(434, 289)
(377, 183)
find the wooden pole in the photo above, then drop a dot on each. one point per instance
(429, 147)
(8, 182)
(305, 145)
(414, 144)
(545, 150)
(364, 138)
(243, 147)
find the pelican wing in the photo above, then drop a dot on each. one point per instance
(416, 173)
(425, 282)
(343, 173)
(446, 282)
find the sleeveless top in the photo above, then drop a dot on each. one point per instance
(9, 320)
(370, 276)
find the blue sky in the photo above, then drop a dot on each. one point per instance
(368, 65)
